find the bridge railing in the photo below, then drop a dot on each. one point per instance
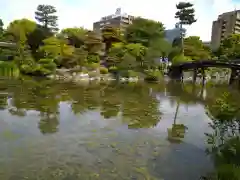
(7, 44)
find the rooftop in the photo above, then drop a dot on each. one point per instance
(117, 14)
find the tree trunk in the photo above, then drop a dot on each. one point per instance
(182, 39)
(175, 116)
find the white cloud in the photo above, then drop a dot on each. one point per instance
(86, 12)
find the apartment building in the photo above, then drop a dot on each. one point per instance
(227, 23)
(117, 20)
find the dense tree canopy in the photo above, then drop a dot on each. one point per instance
(195, 49)
(92, 43)
(20, 29)
(143, 31)
(230, 47)
(75, 36)
(110, 35)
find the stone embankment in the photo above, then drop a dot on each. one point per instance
(71, 75)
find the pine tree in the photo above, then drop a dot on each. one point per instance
(45, 14)
(1, 26)
(185, 15)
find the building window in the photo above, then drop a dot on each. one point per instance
(238, 15)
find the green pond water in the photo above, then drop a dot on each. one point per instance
(51, 130)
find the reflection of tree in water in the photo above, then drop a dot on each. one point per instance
(34, 95)
(3, 100)
(180, 95)
(176, 134)
(186, 93)
(4, 93)
(17, 112)
(139, 109)
(225, 140)
(48, 123)
(84, 98)
(110, 102)
(39, 96)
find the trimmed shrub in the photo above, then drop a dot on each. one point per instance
(103, 70)
(180, 59)
(153, 75)
(132, 73)
(47, 66)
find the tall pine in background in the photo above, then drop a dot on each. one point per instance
(186, 16)
(45, 15)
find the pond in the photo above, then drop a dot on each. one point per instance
(53, 130)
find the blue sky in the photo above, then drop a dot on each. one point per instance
(76, 13)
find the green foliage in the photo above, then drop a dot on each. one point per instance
(128, 73)
(176, 42)
(143, 31)
(7, 54)
(185, 13)
(176, 134)
(75, 36)
(138, 51)
(42, 68)
(180, 59)
(158, 48)
(93, 58)
(47, 66)
(35, 40)
(134, 50)
(26, 65)
(132, 73)
(80, 56)
(230, 47)
(57, 49)
(225, 140)
(175, 51)
(215, 58)
(224, 108)
(4, 64)
(153, 75)
(186, 16)
(126, 53)
(162, 46)
(45, 14)
(113, 61)
(195, 49)
(19, 29)
(128, 62)
(92, 43)
(110, 35)
(103, 70)
(117, 50)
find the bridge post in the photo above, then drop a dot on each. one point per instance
(233, 75)
(194, 74)
(176, 73)
(203, 75)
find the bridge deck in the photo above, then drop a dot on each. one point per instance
(209, 63)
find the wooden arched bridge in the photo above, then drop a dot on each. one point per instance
(176, 71)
